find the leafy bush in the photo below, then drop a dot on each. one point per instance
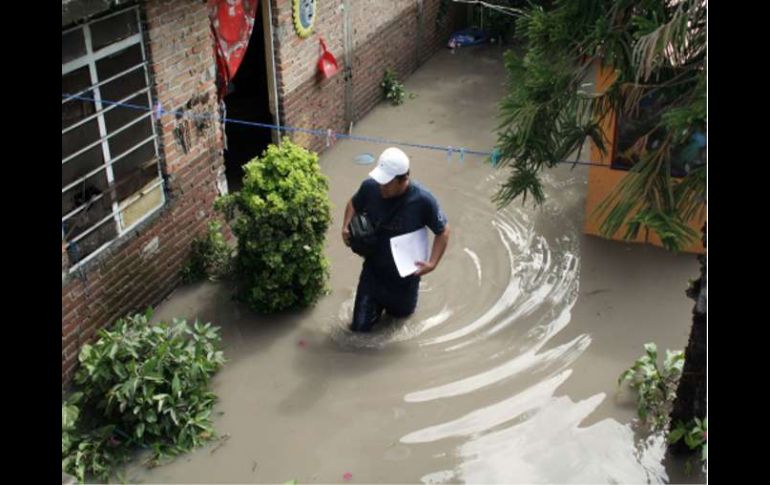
(142, 385)
(94, 451)
(280, 219)
(694, 434)
(210, 256)
(656, 388)
(392, 88)
(69, 418)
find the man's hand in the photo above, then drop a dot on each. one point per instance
(439, 245)
(424, 267)
(346, 236)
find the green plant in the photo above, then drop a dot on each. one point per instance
(695, 437)
(695, 434)
(280, 218)
(210, 256)
(656, 388)
(392, 88)
(69, 418)
(656, 53)
(96, 452)
(140, 384)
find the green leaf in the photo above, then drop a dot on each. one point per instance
(625, 376)
(675, 435)
(688, 439)
(651, 349)
(140, 430)
(176, 387)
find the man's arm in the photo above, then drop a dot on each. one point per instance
(350, 211)
(439, 246)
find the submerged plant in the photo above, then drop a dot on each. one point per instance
(655, 387)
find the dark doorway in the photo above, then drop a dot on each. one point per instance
(248, 100)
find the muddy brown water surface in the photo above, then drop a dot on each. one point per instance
(507, 371)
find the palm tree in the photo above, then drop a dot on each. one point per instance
(656, 50)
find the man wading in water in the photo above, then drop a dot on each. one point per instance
(394, 205)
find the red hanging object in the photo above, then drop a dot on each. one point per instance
(232, 22)
(327, 64)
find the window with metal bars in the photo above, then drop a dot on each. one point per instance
(111, 178)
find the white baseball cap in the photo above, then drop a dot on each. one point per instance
(392, 162)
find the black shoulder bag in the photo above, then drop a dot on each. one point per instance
(364, 234)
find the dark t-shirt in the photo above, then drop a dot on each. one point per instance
(419, 209)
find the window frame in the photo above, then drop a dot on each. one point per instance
(101, 107)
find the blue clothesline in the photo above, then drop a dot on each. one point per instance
(158, 111)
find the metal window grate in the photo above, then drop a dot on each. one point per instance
(111, 179)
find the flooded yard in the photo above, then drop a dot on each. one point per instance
(507, 371)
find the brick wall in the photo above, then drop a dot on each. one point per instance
(385, 35)
(143, 267)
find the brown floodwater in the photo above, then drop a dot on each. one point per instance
(507, 371)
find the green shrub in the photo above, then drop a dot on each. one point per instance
(392, 88)
(210, 256)
(655, 387)
(695, 434)
(280, 218)
(142, 385)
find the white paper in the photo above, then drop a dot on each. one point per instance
(409, 248)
